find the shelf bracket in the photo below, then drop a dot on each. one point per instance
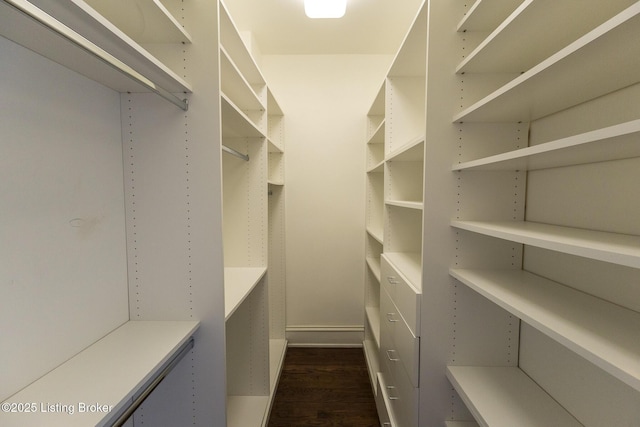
(83, 43)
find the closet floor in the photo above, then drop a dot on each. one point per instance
(324, 387)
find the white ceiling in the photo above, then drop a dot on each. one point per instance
(368, 27)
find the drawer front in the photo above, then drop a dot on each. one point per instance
(398, 345)
(404, 295)
(407, 348)
(399, 394)
(383, 404)
(388, 276)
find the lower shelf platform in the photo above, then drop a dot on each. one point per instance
(507, 397)
(96, 386)
(253, 411)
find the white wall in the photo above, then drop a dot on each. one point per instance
(63, 267)
(325, 100)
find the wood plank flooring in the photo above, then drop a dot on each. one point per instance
(324, 387)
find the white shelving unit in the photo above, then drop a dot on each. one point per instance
(162, 301)
(374, 233)
(394, 178)
(519, 230)
(177, 201)
(253, 177)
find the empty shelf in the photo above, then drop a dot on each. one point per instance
(507, 397)
(615, 248)
(155, 24)
(606, 334)
(238, 284)
(610, 143)
(486, 15)
(558, 83)
(104, 42)
(109, 373)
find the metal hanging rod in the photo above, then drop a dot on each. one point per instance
(81, 42)
(235, 153)
(186, 348)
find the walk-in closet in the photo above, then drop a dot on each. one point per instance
(189, 188)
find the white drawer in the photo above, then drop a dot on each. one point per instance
(404, 295)
(398, 345)
(388, 276)
(383, 404)
(401, 397)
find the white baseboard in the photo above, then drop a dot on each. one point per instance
(324, 336)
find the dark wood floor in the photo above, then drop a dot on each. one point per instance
(324, 387)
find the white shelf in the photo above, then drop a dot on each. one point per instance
(409, 264)
(606, 334)
(376, 234)
(109, 372)
(411, 60)
(377, 106)
(373, 317)
(485, 15)
(507, 397)
(377, 137)
(274, 147)
(232, 42)
(277, 353)
(155, 24)
(559, 82)
(520, 42)
(374, 266)
(276, 183)
(378, 168)
(235, 123)
(615, 248)
(236, 87)
(610, 143)
(413, 151)
(238, 284)
(405, 204)
(78, 20)
(461, 424)
(244, 411)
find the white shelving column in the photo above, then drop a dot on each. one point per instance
(531, 155)
(170, 191)
(277, 260)
(374, 227)
(253, 221)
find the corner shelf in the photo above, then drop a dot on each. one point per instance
(112, 371)
(557, 83)
(615, 248)
(601, 332)
(506, 396)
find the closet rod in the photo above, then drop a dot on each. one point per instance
(186, 347)
(70, 35)
(235, 153)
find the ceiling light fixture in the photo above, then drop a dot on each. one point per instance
(325, 8)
